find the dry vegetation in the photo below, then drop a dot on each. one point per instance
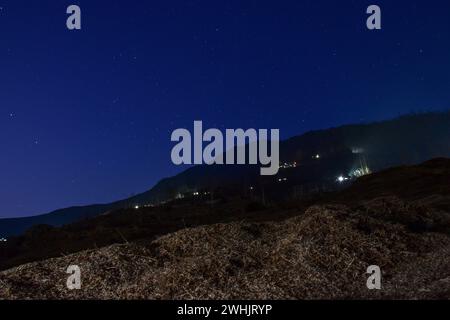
(322, 253)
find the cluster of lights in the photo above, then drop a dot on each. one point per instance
(287, 165)
(178, 196)
(282, 179)
(199, 193)
(360, 172)
(137, 207)
(3, 240)
(356, 173)
(341, 179)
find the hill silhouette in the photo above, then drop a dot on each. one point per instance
(427, 185)
(397, 219)
(405, 140)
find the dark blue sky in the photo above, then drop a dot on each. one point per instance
(86, 116)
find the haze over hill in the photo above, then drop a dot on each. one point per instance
(319, 157)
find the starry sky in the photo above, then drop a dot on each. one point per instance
(86, 116)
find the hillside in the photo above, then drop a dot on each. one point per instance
(404, 140)
(427, 183)
(398, 219)
(322, 254)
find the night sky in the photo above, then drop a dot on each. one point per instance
(86, 116)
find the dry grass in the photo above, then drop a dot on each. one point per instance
(320, 254)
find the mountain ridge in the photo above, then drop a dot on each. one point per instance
(316, 250)
(407, 139)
